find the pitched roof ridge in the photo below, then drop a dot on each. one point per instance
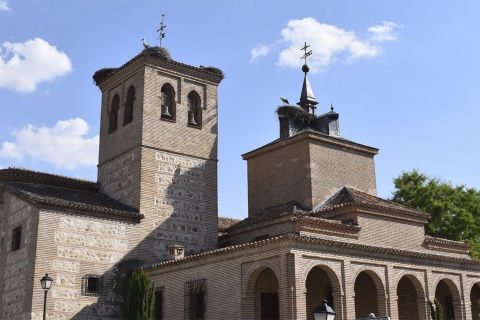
(18, 174)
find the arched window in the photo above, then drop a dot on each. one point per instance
(168, 103)
(112, 126)
(128, 112)
(194, 110)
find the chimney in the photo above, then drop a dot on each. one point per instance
(176, 252)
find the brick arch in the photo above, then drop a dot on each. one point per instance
(381, 295)
(410, 306)
(474, 295)
(253, 272)
(249, 304)
(313, 298)
(379, 279)
(417, 282)
(330, 268)
(452, 284)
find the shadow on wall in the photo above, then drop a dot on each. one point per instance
(183, 212)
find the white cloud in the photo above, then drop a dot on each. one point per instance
(63, 145)
(329, 43)
(4, 6)
(384, 32)
(259, 51)
(24, 65)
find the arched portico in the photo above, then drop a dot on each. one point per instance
(411, 303)
(448, 294)
(475, 301)
(369, 294)
(322, 284)
(262, 297)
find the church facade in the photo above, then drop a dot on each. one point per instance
(315, 230)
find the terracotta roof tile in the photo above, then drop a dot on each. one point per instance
(350, 196)
(92, 202)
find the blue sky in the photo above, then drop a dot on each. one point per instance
(404, 77)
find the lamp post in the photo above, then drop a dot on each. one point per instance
(324, 312)
(46, 283)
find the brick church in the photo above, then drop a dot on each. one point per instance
(315, 229)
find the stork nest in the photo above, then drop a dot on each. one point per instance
(157, 52)
(296, 113)
(101, 74)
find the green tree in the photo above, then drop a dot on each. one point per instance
(436, 309)
(454, 210)
(141, 297)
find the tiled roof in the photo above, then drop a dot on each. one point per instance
(85, 202)
(291, 211)
(349, 196)
(14, 174)
(366, 249)
(225, 223)
(283, 210)
(161, 55)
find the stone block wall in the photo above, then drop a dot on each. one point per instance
(16, 267)
(70, 247)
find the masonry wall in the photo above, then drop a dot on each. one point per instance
(165, 168)
(16, 267)
(387, 231)
(308, 168)
(72, 246)
(279, 176)
(379, 288)
(334, 166)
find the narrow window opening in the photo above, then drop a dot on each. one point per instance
(158, 307)
(194, 110)
(195, 299)
(16, 238)
(112, 126)
(128, 112)
(168, 103)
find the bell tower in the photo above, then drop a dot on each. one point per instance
(158, 149)
(310, 161)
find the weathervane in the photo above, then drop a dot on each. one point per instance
(162, 28)
(305, 56)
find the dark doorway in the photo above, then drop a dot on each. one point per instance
(269, 306)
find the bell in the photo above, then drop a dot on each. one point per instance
(165, 112)
(191, 118)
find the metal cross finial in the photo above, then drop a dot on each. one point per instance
(306, 54)
(161, 29)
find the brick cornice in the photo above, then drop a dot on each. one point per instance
(312, 136)
(392, 252)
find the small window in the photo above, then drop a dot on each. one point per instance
(158, 307)
(128, 112)
(168, 103)
(194, 110)
(16, 238)
(112, 126)
(195, 299)
(91, 285)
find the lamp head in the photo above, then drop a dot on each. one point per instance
(46, 282)
(324, 312)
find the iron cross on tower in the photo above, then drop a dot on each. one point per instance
(305, 56)
(161, 29)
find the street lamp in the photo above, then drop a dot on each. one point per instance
(46, 283)
(324, 312)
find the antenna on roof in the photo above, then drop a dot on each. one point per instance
(162, 28)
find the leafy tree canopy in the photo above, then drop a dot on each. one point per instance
(454, 210)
